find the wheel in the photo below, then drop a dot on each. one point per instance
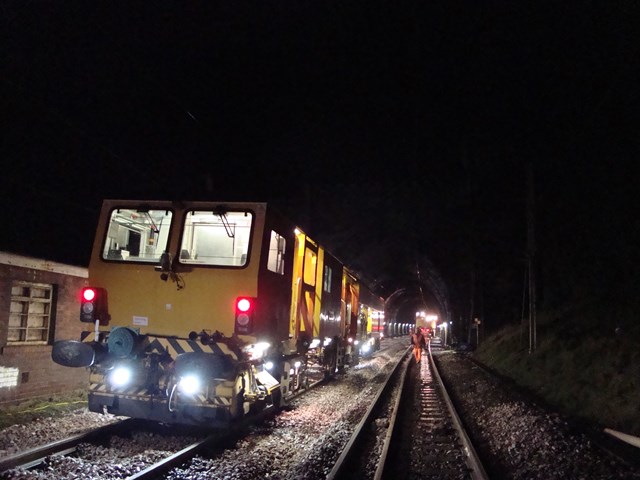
(237, 406)
(276, 398)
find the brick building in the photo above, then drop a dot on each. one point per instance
(38, 305)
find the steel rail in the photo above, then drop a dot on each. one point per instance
(392, 423)
(166, 464)
(473, 460)
(436, 409)
(158, 469)
(339, 469)
(36, 455)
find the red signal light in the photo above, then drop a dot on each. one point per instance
(94, 306)
(243, 304)
(88, 294)
(245, 311)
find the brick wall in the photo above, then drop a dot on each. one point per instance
(27, 371)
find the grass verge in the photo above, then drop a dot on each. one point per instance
(582, 371)
(44, 407)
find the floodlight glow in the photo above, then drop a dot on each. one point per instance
(261, 347)
(120, 377)
(189, 384)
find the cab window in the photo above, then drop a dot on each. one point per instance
(137, 235)
(216, 238)
(277, 246)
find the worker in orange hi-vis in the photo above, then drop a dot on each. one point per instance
(417, 340)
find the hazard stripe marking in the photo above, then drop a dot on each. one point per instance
(174, 346)
(156, 346)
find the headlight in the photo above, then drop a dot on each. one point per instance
(366, 347)
(268, 365)
(256, 351)
(120, 377)
(189, 384)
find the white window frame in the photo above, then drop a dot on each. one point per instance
(30, 312)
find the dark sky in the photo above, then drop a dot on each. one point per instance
(395, 130)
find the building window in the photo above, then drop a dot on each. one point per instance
(30, 315)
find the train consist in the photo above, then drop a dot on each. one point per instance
(200, 312)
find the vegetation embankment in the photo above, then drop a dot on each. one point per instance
(582, 365)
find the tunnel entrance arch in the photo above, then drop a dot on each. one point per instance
(428, 293)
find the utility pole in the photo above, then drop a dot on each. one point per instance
(531, 256)
(472, 297)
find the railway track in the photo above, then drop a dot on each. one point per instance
(171, 461)
(35, 456)
(424, 436)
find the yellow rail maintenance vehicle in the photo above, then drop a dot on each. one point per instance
(199, 312)
(371, 321)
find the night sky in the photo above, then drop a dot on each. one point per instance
(398, 133)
